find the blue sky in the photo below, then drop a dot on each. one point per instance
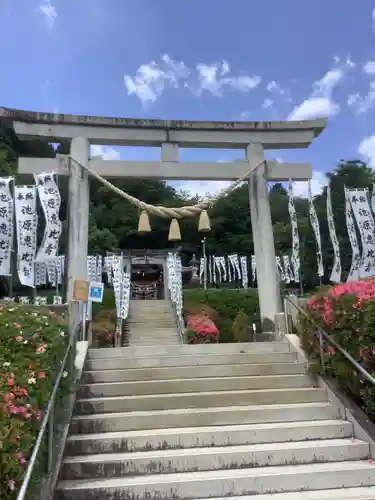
(199, 60)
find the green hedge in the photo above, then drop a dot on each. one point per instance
(226, 304)
(347, 313)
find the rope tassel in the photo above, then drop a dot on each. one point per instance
(144, 223)
(174, 231)
(204, 225)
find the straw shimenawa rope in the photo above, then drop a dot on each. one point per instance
(166, 212)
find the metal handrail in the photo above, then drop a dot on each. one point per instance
(48, 419)
(322, 334)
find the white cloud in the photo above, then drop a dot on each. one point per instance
(320, 103)
(369, 67)
(318, 181)
(152, 79)
(314, 107)
(49, 12)
(267, 103)
(353, 99)
(273, 86)
(366, 149)
(363, 104)
(106, 152)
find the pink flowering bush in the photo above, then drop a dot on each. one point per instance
(33, 343)
(201, 329)
(347, 313)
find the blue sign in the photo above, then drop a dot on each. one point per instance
(96, 291)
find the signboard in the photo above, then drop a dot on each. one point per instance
(81, 290)
(96, 291)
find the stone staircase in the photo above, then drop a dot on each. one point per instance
(151, 322)
(209, 421)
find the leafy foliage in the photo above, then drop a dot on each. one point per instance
(347, 313)
(33, 344)
(223, 306)
(242, 331)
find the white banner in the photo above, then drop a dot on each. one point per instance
(359, 200)
(26, 223)
(253, 268)
(243, 262)
(201, 269)
(280, 268)
(6, 226)
(40, 273)
(223, 267)
(217, 266)
(295, 260)
(315, 225)
(336, 269)
(210, 268)
(352, 233)
(236, 271)
(125, 298)
(213, 268)
(50, 200)
(288, 271)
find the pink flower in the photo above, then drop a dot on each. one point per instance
(41, 349)
(11, 382)
(21, 458)
(42, 375)
(18, 326)
(20, 338)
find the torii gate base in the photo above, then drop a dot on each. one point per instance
(169, 135)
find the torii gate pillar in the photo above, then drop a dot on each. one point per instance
(264, 247)
(78, 214)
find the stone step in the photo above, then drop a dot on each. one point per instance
(213, 458)
(189, 360)
(202, 417)
(144, 319)
(243, 347)
(156, 325)
(162, 335)
(198, 400)
(194, 385)
(170, 340)
(235, 482)
(153, 342)
(361, 493)
(197, 437)
(175, 372)
(165, 333)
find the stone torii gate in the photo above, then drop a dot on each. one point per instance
(169, 135)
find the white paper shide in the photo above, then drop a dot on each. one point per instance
(6, 225)
(50, 200)
(26, 225)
